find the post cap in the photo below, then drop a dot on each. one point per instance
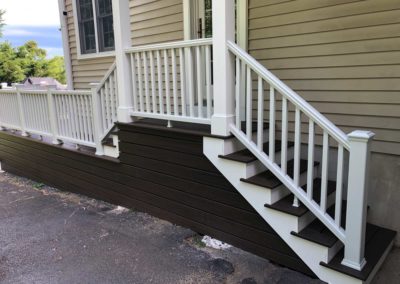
(361, 135)
(94, 84)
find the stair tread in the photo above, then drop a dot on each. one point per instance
(269, 180)
(377, 241)
(286, 204)
(245, 156)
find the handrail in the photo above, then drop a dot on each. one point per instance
(170, 45)
(107, 75)
(305, 107)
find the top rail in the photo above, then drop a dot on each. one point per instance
(170, 45)
(107, 76)
(305, 107)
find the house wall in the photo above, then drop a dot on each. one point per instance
(162, 172)
(342, 56)
(84, 71)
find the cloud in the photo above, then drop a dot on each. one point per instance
(53, 51)
(19, 32)
(31, 13)
(10, 31)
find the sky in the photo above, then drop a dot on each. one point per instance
(33, 20)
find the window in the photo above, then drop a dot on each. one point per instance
(95, 22)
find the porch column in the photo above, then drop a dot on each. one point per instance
(122, 37)
(223, 13)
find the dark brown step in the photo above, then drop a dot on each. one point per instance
(377, 241)
(286, 204)
(269, 180)
(245, 156)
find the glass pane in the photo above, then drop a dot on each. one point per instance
(105, 27)
(89, 36)
(86, 26)
(105, 7)
(208, 18)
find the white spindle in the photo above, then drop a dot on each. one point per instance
(140, 80)
(284, 135)
(260, 116)
(339, 186)
(238, 93)
(297, 148)
(167, 82)
(324, 172)
(134, 83)
(107, 112)
(174, 82)
(199, 83)
(190, 81)
(183, 80)
(112, 96)
(310, 160)
(146, 81)
(160, 84)
(272, 124)
(249, 108)
(208, 81)
(153, 82)
(21, 112)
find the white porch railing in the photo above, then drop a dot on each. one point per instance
(80, 117)
(173, 81)
(285, 101)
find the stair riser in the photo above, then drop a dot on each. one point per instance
(115, 140)
(111, 151)
(233, 145)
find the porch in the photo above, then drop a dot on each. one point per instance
(300, 173)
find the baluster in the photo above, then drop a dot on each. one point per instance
(76, 125)
(284, 135)
(339, 186)
(174, 82)
(199, 83)
(146, 80)
(249, 102)
(52, 111)
(208, 81)
(103, 108)
(85, 116)
(112, 97)
(297, 148)
(90, 117)
(70, 117)
(324, 173)
(272, 124)
(260, 118)
(160, 85)
(189, 65)
(183, 80)
(237, 91)
(21, 112)
(134, 83)
(153, 82)
(140, 79)
(167, 83)
(310, 160)
(243, 92)
(107, 112)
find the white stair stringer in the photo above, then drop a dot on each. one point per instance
(112, 151)
(283, 224)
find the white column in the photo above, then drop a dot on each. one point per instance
(224, 66)
(97, 119)
(65, 40)
(122, 36)
(52, 116)
(22, 120)
(357, 197)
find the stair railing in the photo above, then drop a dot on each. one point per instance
(105, 104)
(173, 81)
(306, 118)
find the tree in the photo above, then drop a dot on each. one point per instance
(28, 60)
(2, 24)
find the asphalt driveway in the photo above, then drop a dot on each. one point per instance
(49, 236)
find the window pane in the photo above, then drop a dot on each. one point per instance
(86, 26)
(105, 25)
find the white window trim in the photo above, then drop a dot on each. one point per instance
(79, 54)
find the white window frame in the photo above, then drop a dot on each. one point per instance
(98, 53)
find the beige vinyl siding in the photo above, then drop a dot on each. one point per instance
(84, 71)
(156, 21)
(342, 56)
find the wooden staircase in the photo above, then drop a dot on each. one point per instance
(316, 245)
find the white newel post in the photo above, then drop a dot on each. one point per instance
(224, 66)
(97, 119)
(122, 36)
(21, 110)
(52, 116)
(357, 197)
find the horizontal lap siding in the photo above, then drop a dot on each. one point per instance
(84, 71)
(156, 21)
(342, 56)
(162, 173)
